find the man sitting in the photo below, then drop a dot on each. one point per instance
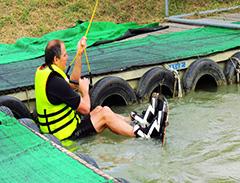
(58, 105)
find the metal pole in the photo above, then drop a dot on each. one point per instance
(207, 12)
(204, 23)
(166, 8)
(181, 19)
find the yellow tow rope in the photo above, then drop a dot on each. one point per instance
(85, 51)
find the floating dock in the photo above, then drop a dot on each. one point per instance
(175, 48)
(28, 156)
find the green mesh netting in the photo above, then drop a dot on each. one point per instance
(123, 55)
(25, 157)
(28, 48)
(163, 48)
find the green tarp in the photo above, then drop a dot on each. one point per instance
(124, 55)
(25, 157)
(163, 48)
(29, 48)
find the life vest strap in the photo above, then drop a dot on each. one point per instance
(52, 114)
(54, 121)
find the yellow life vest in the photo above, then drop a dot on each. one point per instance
(59, 120)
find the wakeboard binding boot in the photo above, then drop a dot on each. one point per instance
(153, 122)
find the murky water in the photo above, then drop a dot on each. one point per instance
(203, 143)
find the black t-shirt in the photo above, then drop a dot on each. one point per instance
(59, 91)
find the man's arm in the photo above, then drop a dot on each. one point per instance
(77, 69)
(85, 104)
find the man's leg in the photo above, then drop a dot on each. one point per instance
(104, 117)
(127, 119)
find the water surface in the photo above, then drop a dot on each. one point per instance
(203, 143)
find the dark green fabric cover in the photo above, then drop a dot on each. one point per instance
(29, 48)
(124, 55)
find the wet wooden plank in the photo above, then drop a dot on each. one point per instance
(234, 17)
(177, 27)
(214, 20)
(173, 27)
(227, 18)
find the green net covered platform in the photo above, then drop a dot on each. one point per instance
(124, 55)
(26, 157)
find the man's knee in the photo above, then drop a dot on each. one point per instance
(98, 108)
(107, 109)
(106, 112)
(103, 113)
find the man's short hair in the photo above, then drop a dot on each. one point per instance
(52, 49)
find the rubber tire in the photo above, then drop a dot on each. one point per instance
(88, 159)
(152, 79)
(30, 124)
(34, 115)
(17, 107)
(229, 70)
(53, 138)
(200, 68)
(121, 180)
(109, 86)
(6, 110)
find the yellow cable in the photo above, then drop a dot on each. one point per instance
(87, 61)
(93, 14)
(86, 33)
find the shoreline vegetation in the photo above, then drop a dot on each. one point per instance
(34, 18)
